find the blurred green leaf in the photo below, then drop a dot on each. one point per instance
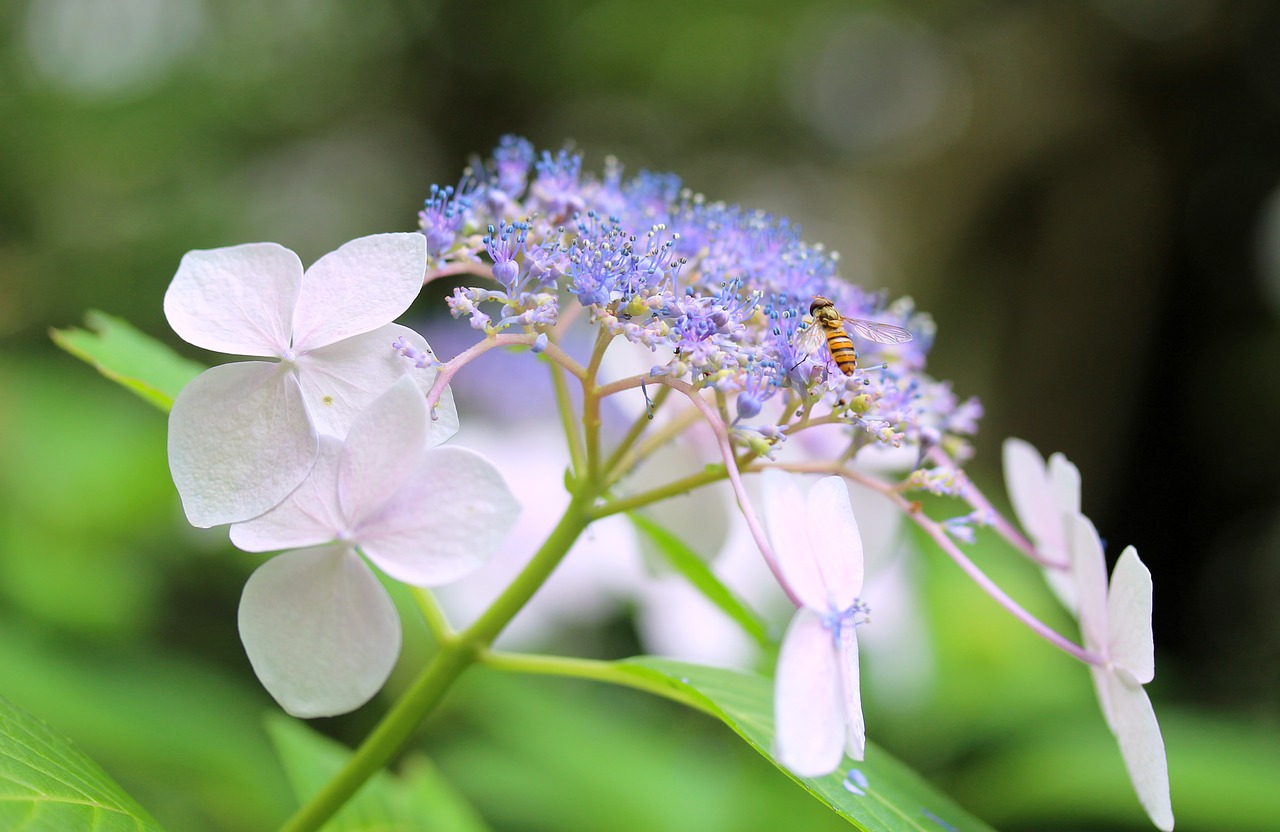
(184, 738)
(544, 754)
(87, 511)
(129, 357)
(47, 783)
(420, 798)
(896, 799)
(687, 562)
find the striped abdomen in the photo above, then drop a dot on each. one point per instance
(841, 347)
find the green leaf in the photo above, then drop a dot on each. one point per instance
(896, 798)
(420, 798)
(130, 357)
(686, 561)
(46, 783)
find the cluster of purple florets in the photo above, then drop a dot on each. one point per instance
(718, 293)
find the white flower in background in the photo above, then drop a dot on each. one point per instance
(320, 631)
(1116, 622)
(593, 583)
(817, 704)
(1046, 498)
(242, 436)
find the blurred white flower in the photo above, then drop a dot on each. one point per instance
(817, 704)
(1046, 498)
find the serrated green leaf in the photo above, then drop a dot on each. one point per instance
(129, 357)
(419, 798)
(695, 570)
(46, 783)
(896, 799)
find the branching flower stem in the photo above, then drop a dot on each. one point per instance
(979, 502)
(457, 270)
(451, 367)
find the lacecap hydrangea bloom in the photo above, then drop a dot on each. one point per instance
(662, 317)
(731, 307)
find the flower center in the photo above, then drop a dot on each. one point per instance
(856, 613)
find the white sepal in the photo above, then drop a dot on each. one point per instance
(320, 631)
(239, 442)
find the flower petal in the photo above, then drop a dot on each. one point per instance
(365, 284)
(809, 717)
(240, 440)
(384, 445)
(320, 631)
(308, 517)
(341, 380)
(446, 521)
(1130, 644)
(835, 541)
(238, 300)
(1027, 480)
(1089, 565)
(1064, 482)
(1142, 747)
(855, 741)
(786, 519)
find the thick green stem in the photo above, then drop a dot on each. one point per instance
(456, 654)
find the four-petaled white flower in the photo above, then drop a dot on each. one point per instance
(320, 631)
(817, 704)
(1046, 498)
(244, 435)
(1116, 623)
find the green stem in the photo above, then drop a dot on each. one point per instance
(436, 621)
(676, 426)
(564, 404)
(710, 474)
(597, 671)
(635, 432)
(457, 653)
(384, 741)
(591, 406)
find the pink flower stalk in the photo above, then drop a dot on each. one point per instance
(817, 703)
(244, 435)
(1115, 621)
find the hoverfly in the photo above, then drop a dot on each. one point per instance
(826, 324)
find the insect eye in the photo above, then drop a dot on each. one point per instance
(817, 304)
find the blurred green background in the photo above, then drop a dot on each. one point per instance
(1086, 195)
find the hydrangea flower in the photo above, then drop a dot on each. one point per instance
(1115, 621)
(242, 436)
(715, 293)
(1046, 499)
(817, 704)
(320, 631)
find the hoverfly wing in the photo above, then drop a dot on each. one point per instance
(810, 337)
(878, 332)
